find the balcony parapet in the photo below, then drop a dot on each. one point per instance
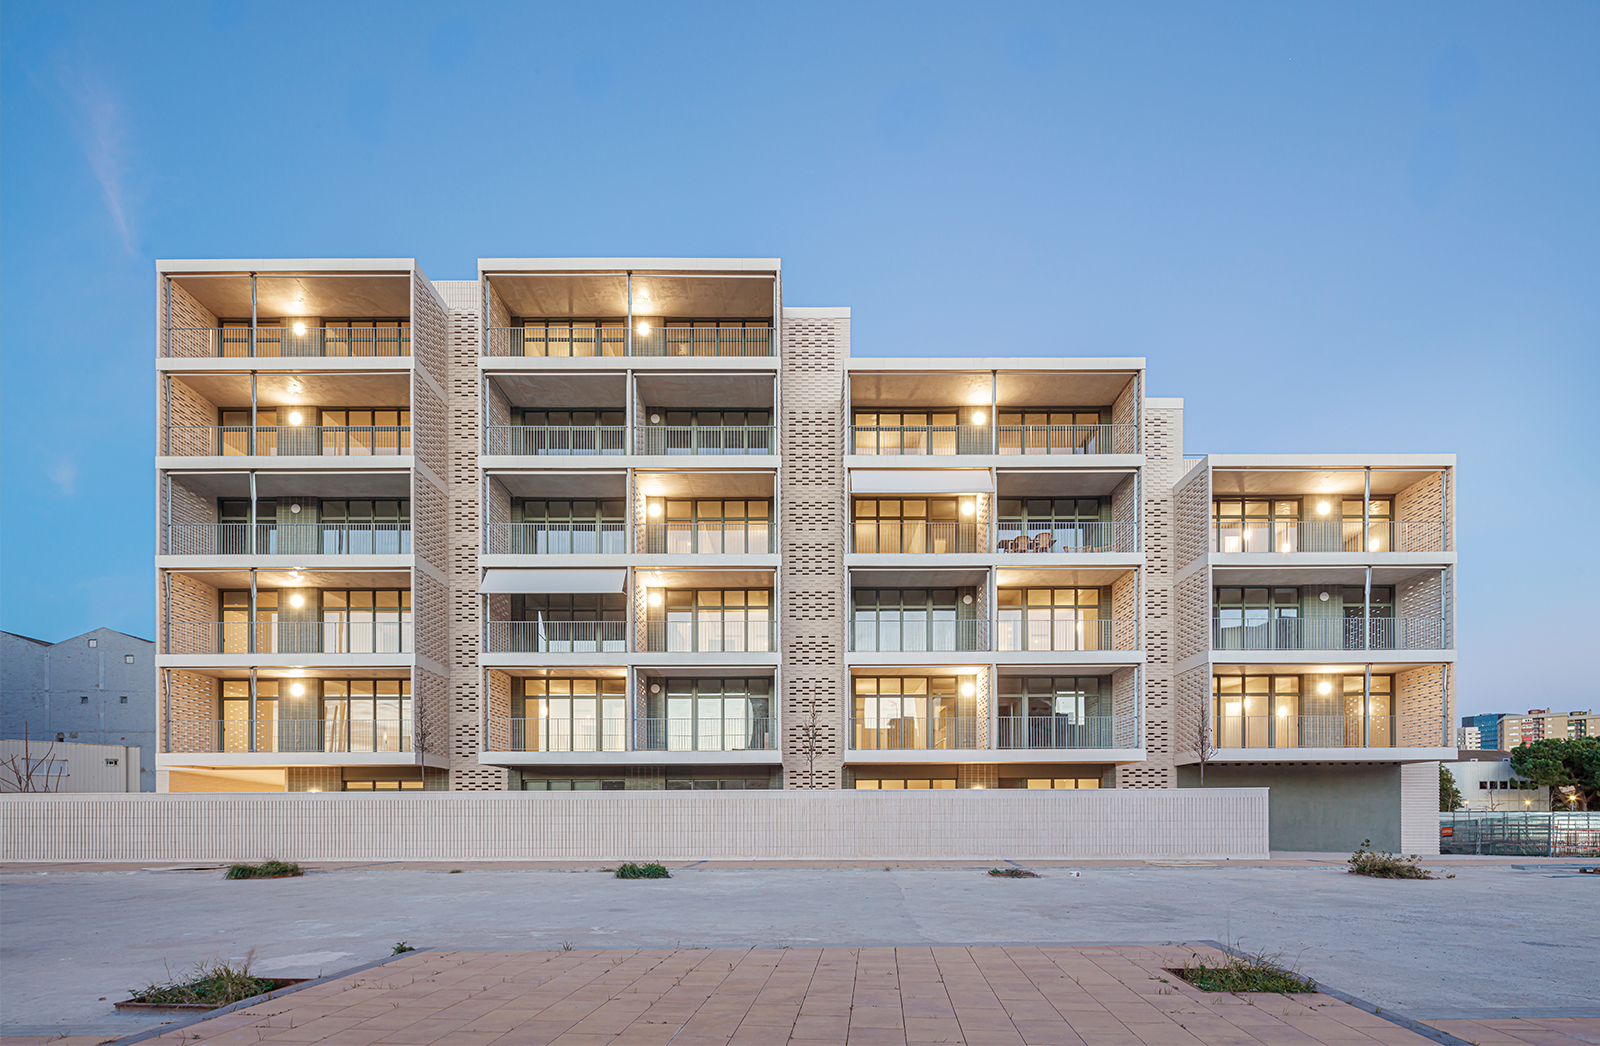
(290, 736)
(1322, 535)
(288, 539)
(226, 441)
(1332, 633)
(289, 637)
(297, 340)
(1324, 731)
(619, 341)
(965, 440)
(617, 734)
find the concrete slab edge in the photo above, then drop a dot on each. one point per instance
(255, 1000)
(1410, 1024)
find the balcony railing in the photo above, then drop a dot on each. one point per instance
(900, 537)
(711, 637)
(880, 733)
(556, 539)
(730, 733)
(553, 734)
(1324, 535)
(712, 538)
(556, 637)
(1325, 731)
(1331, 633)
(707, 439)
(678, 734)
(908, 635)
(291, 735)
(1065, 731)
(289, 637)
(1066, 537)
(1067, 439)
(354, 342)
(618, 340)
(557, 440)
(289, 539)
(343, 441)
(1065, 635)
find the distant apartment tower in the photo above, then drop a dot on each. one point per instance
(1541, 724)
(1468, 738)
(638, 524)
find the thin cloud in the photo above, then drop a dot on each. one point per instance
(101, 127)
(64, 474)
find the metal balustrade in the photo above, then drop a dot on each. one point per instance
(288, 441)
(351, 342)
(1326, 535)
(556, 539)
(1089, 536)
(559, 734)
(288, 539)
(907, 537)
(1067, 439)
(305, 736)
(707, 439)
(910, 635)
(556, 637)
(713, 635)
(290, 637)
(617, 340)
(726, 733)
(561, 440)
(1324, 731)
(1331, 633)
(882, 733)
(710, 538)
(919, 440)
(1066, 731)
(1061, 633)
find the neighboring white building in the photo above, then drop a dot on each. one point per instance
(97, 688)
(55, 766)
(1487, 782)
(1468, 737)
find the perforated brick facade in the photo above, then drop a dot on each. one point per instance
(1162, 441)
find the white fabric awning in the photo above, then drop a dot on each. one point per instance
(921, 481)
(524, 582)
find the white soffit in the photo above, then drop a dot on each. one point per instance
(523, 582)
(921, 481)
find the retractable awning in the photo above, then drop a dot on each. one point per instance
(921, 481)
(523, 582)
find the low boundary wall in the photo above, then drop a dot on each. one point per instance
(618, 826)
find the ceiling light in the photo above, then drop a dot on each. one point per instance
(295, 417)
(299, 328)
(295, 508)
(298, 690)
(967, 690)
(1323, 508)
(655, 688)
(655, 419)
(655, 599)
(644, 328)
(297, 600)
(1324, 687)
(967, 599)
(654, 510)
(1283, 713)
(979, 417)
(1322, 596)
(966, 508)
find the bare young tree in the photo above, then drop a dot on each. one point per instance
(1203, 742)
(810, 742)
(26, 774)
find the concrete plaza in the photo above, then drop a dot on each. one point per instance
(1505, 938)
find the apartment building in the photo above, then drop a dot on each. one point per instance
(666, 532)
(1541, 724)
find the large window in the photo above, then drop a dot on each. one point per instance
(1315, 617)
(680, 526)
(363, 337)
(366, 621)
(235, 723)
(913, 433)
(910, 712)
(1061, 430)
(1054, 525)
(914, 619)
(236, 629)
(708, 431)
(572, 715)
(711, 620)
(915, 525)
(561, 622)
(366, 432)
(1056, 712)
(564, 337)
(581, 527)
(563, 432)
(362, 527)
(366, 715)
(709, 715)
(1054, 619)
(1314, 523)
(1301, 711)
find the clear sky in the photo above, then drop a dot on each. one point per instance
(1329, 227)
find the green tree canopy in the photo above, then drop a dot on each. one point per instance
(1560, 762)
(1449, 795)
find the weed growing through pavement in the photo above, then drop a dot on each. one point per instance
(1245, 973)
(1385, 865)
(1013, 873)
(648, 870)
(401, 946)
(272, 869)
(214, 982)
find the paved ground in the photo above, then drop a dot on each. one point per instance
(771, 997)
(1505, 938)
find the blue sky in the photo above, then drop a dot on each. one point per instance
(1329, 227)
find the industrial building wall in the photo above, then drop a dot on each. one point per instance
(1333, 807)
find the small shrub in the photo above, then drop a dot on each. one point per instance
(1013, 873)
(648, 870)
(213, 983)
(401, 947)
(1385, 865)
(265, 870)
(1246, 973)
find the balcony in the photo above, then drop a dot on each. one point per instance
(677, 734)
(881, 537)
(1066, 538)
(379, 339)
(1067, 732)
(876, 635)
(1015, 634)
(555, 440)
(555, 538)
(1322, 535)
(615, 339)
(672, 440)
(288, 539)
(215, 441)
(710, 538)
(1331, 633)
(291, 736)
(907, 733)
(1324, 731)
(290, 637)
(556, 637)
(715, 636)
(951, 440)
